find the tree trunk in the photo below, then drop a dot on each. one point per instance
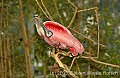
(44, 68)
(7, 42)
(26, 43)
(1, 53)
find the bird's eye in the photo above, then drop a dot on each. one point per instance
(36, 15)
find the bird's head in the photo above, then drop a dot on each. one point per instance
(41, 27)
(37, 20)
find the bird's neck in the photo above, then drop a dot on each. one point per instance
(40, 30)
(44, 31)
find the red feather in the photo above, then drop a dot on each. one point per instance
(61, 35)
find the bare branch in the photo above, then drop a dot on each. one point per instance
(65, 67)
(42, 9)
(57, 60)
(33, 39)
(114, 58)
(46, 10)
(96, 14)
(14, 62)
(87, 9)
(87, 37)
(111, 65)
(58, 12)
(73, 61)
(78, 69)
(74, 13)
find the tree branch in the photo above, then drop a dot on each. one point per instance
(87, 37)
(111, 65)
(65, 67)
(58, 12)
(14, 62)
(46, 10)
(26, 43)
(87, 9)
(74, 13)
(42, 9)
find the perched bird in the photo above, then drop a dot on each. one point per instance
(57, 35)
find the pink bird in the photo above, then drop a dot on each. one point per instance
(57, 35)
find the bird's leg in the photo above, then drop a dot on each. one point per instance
(58, 46)
(73, 61)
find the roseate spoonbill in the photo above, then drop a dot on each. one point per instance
(57, 35)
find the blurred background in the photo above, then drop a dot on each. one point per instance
(24, 54)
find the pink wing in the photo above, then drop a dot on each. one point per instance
(63, 36)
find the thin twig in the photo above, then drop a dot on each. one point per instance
(70, 72)
(100, 66)
(46, 10)
(87, 37)
(58, 12)
(89, 50)
(14, 62)
(74, 13)
(18, 27)
(111, 65)
(113, 58)
(87, 9)
(96, 14)
(88, 72)
(73, 61)
(33, 39)
(78, 69)
(42, 9)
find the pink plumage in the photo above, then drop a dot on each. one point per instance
(61, 36)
